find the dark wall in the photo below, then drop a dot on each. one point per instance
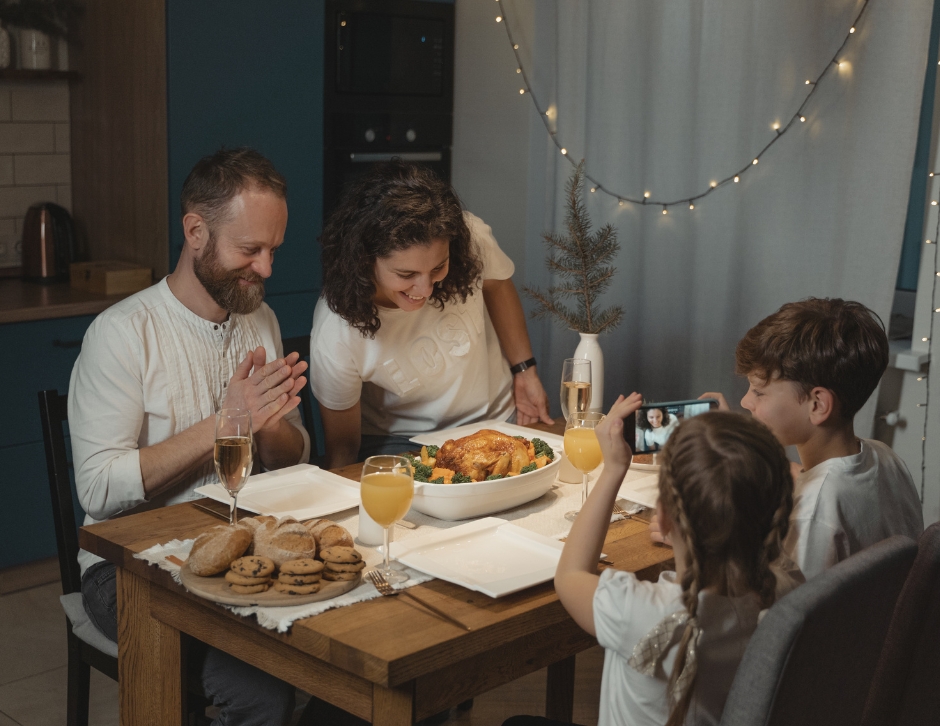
(249, 73)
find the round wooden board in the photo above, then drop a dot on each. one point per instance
(216, 589)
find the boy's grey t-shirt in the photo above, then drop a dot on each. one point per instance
(846, 504)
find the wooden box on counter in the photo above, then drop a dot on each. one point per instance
(109, 277)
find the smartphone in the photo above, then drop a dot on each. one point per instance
(655, 422)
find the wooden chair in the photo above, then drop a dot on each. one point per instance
(301, 344)
(87, 646)
(812, 658)
(905, 688)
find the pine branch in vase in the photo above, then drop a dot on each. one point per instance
(581, 260)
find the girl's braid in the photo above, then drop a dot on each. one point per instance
(773, 546)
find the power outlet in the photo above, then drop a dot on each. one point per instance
(11, 251)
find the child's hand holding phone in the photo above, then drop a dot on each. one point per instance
(616, 451)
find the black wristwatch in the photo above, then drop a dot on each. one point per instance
(519, 367)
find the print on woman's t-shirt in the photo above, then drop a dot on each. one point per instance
(452, 339)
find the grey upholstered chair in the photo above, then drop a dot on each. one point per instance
(906, 687)
(812, 658)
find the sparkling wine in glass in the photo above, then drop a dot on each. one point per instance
(232, 455)
(387, 487)
(575, 386)
(582, 448)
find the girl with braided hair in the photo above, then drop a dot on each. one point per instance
(673, 646)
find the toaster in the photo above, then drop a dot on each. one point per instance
(48, 243)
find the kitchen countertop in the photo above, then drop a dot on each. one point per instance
(24, 301)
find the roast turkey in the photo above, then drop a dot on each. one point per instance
(484, 453)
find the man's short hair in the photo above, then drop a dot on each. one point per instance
(837, 344)
(219, 178)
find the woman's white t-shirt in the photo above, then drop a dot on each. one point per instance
(626, 609)
(659, 437)
(425, 370)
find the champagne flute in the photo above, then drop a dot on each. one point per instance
(575, 386)
(233, 455)
(582, 448)
(387, 487)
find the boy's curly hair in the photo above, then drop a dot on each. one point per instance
(837, 344)
(394, 206)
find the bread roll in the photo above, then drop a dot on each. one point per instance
(284, 541)
(329, 534)
(214, 550)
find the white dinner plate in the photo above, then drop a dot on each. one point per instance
(303, 492)
(437, 438)
(489, 555)
(641, 487)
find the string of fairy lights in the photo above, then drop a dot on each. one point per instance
(928, 339)
(647, 199)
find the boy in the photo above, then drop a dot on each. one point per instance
(811, 366)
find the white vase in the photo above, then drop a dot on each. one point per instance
(35, 50)
(590, 349)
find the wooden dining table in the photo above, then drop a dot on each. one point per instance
(387, 660)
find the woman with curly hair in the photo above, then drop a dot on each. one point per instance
(655, 427)
(419, 327)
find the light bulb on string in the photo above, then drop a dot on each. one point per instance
(775, 125)
(619, 202)
(515, 47)
(714, 184)
(646, 195)
(933, 203)
(564, 152)
(665, 211)
(593, 189)
(755, 161)
(737, 179)
(518, 70)
(852, 29)
(499, 18)
(521, 91)
(691, 206)
(802, 119)
(924, 339)
(809, 82)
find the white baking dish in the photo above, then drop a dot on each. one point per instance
(477, 499)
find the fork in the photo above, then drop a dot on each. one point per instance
(622, 512)
(381, 584)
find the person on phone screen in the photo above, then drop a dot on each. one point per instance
(657, 426)
(419, 327)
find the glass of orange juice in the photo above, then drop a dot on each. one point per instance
(582, 448)
(387, 487)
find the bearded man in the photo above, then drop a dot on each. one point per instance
(155, 367)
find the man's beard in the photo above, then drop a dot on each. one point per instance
(224, 286)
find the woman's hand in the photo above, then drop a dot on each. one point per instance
(609, 432)
(530, 398)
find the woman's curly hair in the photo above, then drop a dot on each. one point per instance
(395, 206)
(643, 421)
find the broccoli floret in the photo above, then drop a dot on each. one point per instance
(492, 477)
(520, 438)
(432, 450)
(423, 471)
(459, 478)
(439, 480)
(528, 467)
(542, 448)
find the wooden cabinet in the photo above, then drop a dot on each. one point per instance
(161, 84)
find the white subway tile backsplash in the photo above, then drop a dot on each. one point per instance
(6, 170)
(64, 196)
(27, 138)
(63, 138)
(40, 101)
(14, 201)
(42, 169)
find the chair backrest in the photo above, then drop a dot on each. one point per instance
(301, 344)
(906, 687)
(53, 412)
(812, 658)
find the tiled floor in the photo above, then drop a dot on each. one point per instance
(33, 673)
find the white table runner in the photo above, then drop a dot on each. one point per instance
(545, 515)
